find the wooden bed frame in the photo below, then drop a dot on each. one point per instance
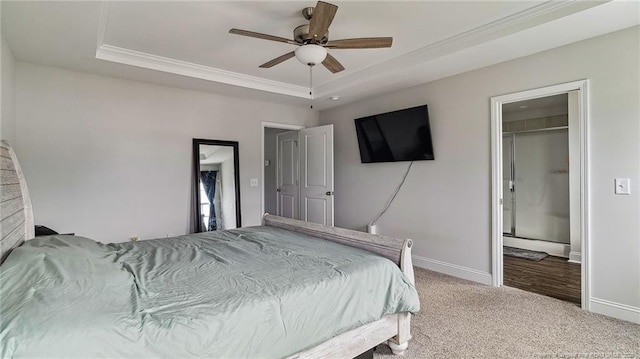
(17, 226)
(16, 215)
(394, 328)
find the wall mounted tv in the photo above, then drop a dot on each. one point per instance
(403, 135)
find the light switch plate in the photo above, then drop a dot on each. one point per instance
(623, 186)
(254, 182)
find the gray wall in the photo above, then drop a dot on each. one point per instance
(7, 113)
(111, 159)
(445, 204)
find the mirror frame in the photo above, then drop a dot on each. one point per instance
(196, 161)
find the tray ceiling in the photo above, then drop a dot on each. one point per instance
(187, 44)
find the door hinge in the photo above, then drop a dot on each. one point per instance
(501, 201)
(277, 189)
(329, 193)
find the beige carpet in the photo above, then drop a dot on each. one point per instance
(462, 319)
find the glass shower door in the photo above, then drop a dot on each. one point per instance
(542, 185)
(508, 201)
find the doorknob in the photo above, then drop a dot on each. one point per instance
(329, 193)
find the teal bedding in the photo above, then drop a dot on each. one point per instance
(256, 292)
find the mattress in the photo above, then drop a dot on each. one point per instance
(250, 292)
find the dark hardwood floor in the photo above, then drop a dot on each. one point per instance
(552, 276)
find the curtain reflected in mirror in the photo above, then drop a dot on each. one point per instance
(217, 185)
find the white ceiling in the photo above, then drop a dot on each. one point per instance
(187, 44)
(215, 154)
(536, 108)
(537, 103)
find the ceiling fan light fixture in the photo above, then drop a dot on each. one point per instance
(311, 55)
(313, 40)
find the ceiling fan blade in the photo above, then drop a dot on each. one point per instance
(258, 35)
(278, 60)
(332, 64)
(361, 43)
(323, 15)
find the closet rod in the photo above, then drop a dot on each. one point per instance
(538, 130)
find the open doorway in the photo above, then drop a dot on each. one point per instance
(539, 178)
(270, 134)
(298, 172)
(536, 192)
(270, 180)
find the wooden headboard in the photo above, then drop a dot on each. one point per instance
(16, 214)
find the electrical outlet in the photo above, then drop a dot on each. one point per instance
(134, 239)
(253, 182)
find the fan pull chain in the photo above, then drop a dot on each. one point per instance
(311, 85)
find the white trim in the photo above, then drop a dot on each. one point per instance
(149, 61)
(496, 193)
(452, 269)
(531, 17)
(615, 310)
(575, 257)
(103, 23)
(263, 126)
(189, 69)
(552, 248)
(496, 176)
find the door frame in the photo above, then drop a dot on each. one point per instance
(264, 125)
(582, 86)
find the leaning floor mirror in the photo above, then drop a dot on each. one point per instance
(217, 185)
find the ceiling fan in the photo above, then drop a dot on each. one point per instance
(313, 39)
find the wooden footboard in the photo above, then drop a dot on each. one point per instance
(354, 342)
(394, 328)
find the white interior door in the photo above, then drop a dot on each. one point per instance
(287, 181)
(316, 175)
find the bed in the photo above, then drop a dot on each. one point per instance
(286, 289)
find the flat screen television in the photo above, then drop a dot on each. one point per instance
(403, 135)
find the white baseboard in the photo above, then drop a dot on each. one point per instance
(615, 310)
(596, 305)
(452, 269)
(552, 248)
(575, 257)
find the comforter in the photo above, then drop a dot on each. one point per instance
(250, 292)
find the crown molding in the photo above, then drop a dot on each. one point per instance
(165, 64)
(534, 16)
(528, 18)
(105, 8)
(184, 68)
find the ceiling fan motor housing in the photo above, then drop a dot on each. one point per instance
(301, 36)
(312, 49)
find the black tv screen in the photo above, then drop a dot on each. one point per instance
(403, 135)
